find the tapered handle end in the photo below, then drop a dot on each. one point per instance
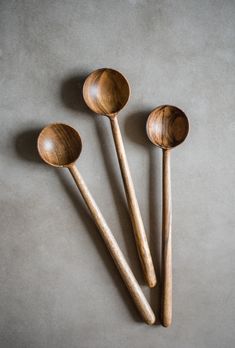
(166, 320)
(151, 280)
(151, 320)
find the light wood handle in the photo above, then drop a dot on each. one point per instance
(138, 226)
(166, 243)
(116, 253)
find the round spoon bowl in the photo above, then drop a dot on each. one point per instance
(106, 91)
(59, 145)
(167, 126)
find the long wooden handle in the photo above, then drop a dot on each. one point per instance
(166, 243)
(138, 226)
(116, 253)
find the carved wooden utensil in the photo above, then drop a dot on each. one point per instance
(106, 92)
(167, 127)
(60, 145)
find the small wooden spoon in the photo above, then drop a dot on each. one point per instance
(60, 145)
(106, 92)
(167, 127)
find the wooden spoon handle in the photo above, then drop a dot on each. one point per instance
(138, 226)
(166, 243)
(116, 253)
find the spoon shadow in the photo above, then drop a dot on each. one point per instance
(135, 129)
(71, 92)
(26, 149)
(25, 145)
(155, 220)
(71, 96)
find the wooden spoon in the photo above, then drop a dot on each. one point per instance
(167, 127)
(60, 145)
(106, 92)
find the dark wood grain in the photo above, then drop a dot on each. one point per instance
(167, 126)
(106, 91)
(60, 145)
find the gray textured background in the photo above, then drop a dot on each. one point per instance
(58, 285)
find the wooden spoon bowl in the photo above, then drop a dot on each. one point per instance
(167, 126)
(106, 91)
(59, 145)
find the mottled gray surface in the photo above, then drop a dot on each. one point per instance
(58, 285)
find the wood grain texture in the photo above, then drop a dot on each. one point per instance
(59, 145)
(166, 294)
(106, 91)
(167, 126)
(137, 223)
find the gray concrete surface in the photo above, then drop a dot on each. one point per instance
(58, 285)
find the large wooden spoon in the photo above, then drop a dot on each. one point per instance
(106, 92)
(60, 145)
(167, 127)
